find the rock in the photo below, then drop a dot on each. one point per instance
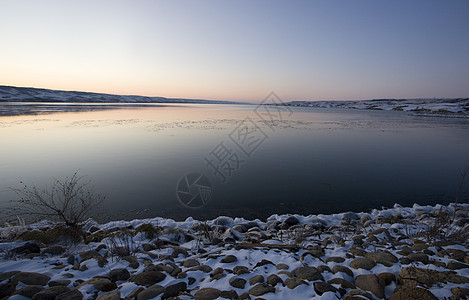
(51, 293)
(71, 295)
(308, 273)
(324, 268)
(427, 277)
(405, 260)
(411, 292)
(335, 259)
(350, 216)
(89, 254)
(119, 274)
(238, 282)
(54, 250)
(207, 294)
(261, 289)
(263, 263)
(229, 259)
(372, 283)
(203, 268)
(362, 263)
(342, 269)
(343, 283)
(419, 256)
(456, 254)
(291, 220)
(387, 277)
(282, 267)
(321, 287)
(63, 282)
(178, 251)
(150, 292)
(238, 270)
(405, 250)
(459, 293)
(191, 262)
(240, 228)
(102, 284)
(456, 265)
(293, 282)
(149, 247)
(419, 247)
(148, 278)
(29, 291)
(6, 289)
(30, 278)
(8, 275)
(114, 295)
(351, 295)
(384, 258)
(274, 279)
(232, 294)
(357, 251)
(27, 248)
(256, 279)
(174, 289)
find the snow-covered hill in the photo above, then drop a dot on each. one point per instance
(23, 94)
(444, 106)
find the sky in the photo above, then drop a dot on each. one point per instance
(239, 50)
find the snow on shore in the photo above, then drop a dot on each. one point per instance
(387, 253)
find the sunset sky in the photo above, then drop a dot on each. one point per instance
(239, 50)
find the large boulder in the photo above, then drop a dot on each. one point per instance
(372, 283)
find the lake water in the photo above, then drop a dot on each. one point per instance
(311, 161)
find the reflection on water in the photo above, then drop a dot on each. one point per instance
(318, 161)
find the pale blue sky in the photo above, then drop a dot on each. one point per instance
(239, 50)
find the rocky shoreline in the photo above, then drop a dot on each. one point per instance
(419, 252)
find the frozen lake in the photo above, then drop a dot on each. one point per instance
(311, 161)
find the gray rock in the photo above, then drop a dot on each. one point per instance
(134, 293)
(148, 247)
(411, 292)
(238, 282)
(119, 274)
(372, 283)
(191, 262)
(30, 278)
(324, 268)
(232, 294)
(274, 279)
(384, 258)
(114, 295)
(6, 289)
(282, 267)
(173, 290)
(293, 282)
(351, 295)
(29, 291)
(387, 277)
(27, 248)
(343, 283)
(261, 289)
(456, 265)
(362, 263)
(51, 293)
(54, 250)
(63, 282)
(148, 278)
(427, 277)
(342, 269)
(71, 295)
(229, 259)
(150, 292)
(335, 259)
(256, 279)
(308, 273)
(103, 284)
(419, 256)
(357, 251)
(238, 270)
(291, 220)
(321, 287)
(207, 294)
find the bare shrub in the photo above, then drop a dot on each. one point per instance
(69, 201)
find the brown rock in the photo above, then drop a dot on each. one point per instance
(372, 283)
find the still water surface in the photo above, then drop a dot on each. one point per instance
(316, 161)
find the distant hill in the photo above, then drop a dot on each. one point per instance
(27, 94)
(441, 106)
